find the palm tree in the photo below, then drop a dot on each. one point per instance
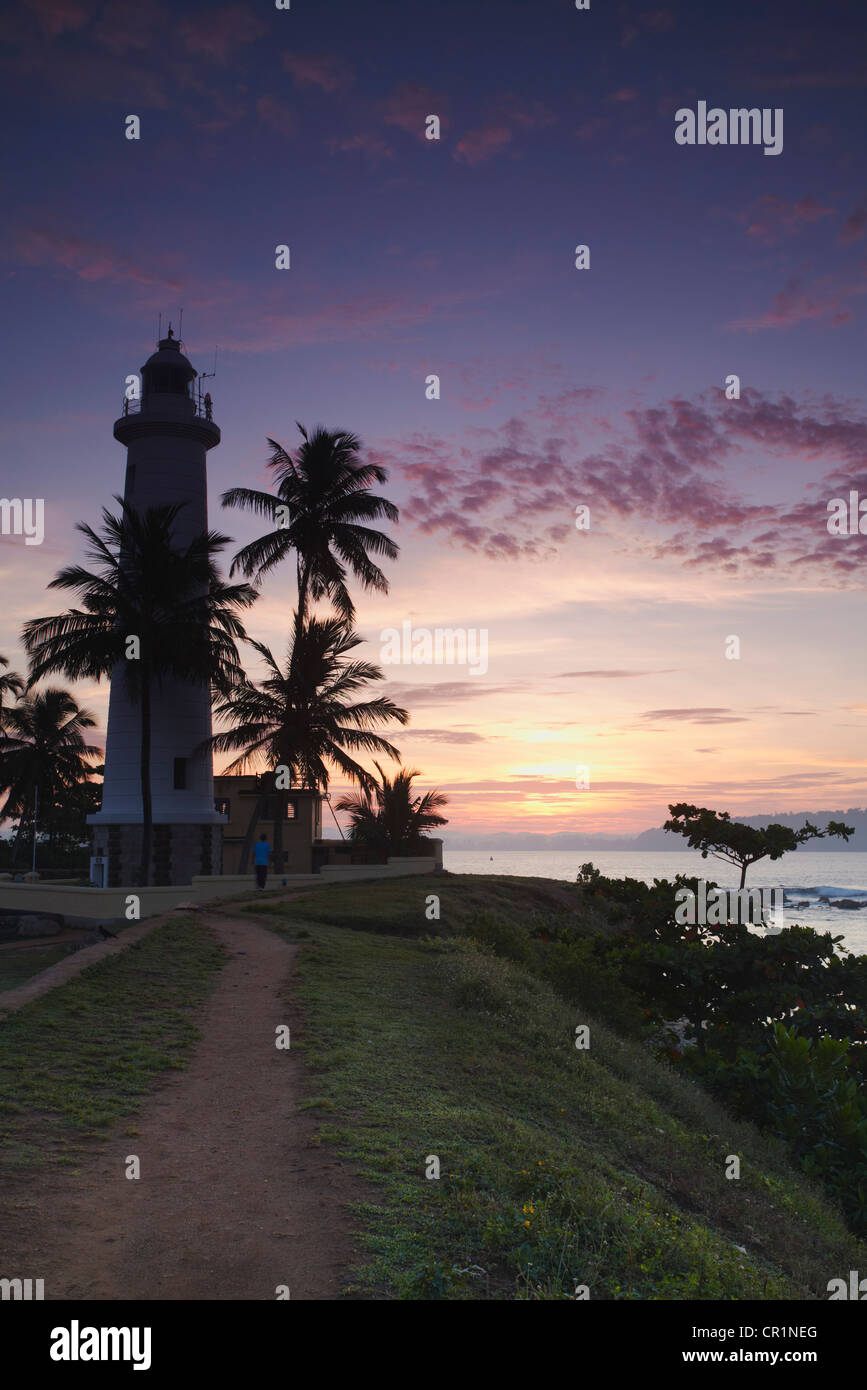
(322, 498)
(10, 684)
(391, 819)
(303, 717)
(44, 750)
(169, 596)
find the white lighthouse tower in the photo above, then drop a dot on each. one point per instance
(167, 436)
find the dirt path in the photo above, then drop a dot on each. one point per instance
(233, 1198)
(72, 965)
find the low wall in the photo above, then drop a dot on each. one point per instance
(88, 906)
(395, 868)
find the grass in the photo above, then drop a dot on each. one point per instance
(400, 905)
(81, 1057)
(559, 1168)
(16, 967)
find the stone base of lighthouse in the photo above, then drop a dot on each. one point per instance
(178, 852)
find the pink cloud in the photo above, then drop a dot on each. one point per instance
(129, 26)
(373, 146)
(482, 144)
(59, 16)
(528, 116)
(409, 105)
(317, 70)
(217, 33)
(633, 24)
(773, 218)
(588, 129)
(89, 260)
(276, 113)
(854, 227)
(666, 478)
(827, 301)
(624, 94)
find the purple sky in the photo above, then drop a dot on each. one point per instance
(560, 387)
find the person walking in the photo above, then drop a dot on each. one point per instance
(261, 855)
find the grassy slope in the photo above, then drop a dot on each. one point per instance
(82, 1056)
(19, 966)
(558, 1167)
(16, 967)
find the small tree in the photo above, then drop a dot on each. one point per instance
(715, 833)
(391, 819)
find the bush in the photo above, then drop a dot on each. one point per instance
(804, 1092)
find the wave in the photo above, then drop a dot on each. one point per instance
(827, 890)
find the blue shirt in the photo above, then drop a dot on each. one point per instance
(261, 852)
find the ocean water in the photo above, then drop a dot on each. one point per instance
(804, 877)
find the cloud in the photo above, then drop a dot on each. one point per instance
(590, 128)
(444, 692)
(827, 301)
(408, 105)
(88, 260)
(772, 218)
(482, 144)
(323, 70)
(252, 325)
(217, 34)
(633, 24)
(509, 115)
(854, 227)
(664, 484)
(365, 142)
(444, 735)
(277, 114)
(610, 675)
(60, 16)
(700, 715)
(533, 115)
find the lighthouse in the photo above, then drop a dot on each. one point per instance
(167, 434)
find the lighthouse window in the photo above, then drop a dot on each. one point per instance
(171, 381)
(180, 774)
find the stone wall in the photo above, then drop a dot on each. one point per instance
(179, 853)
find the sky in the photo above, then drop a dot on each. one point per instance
(610, 687)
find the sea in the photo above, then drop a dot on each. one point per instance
(805, 877)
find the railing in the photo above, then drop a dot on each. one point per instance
(202, 409)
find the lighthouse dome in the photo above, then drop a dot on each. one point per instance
(167, 371)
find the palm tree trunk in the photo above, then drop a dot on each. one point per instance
(303, 586)
(255, 817)
(282, 799)
(145, 770)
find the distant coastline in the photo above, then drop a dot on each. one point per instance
(661, 840)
